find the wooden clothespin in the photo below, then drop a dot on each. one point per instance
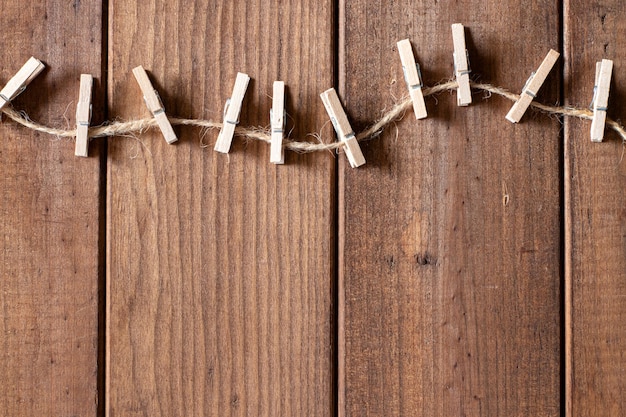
(601, 99)
(532, 87)
(231, 113)
(20, 81)
(342, 127)
(277, 119)
(461, 65)
(83, 115)
(155, 105)
(413, 77)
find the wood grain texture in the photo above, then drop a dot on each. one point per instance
(449, 262)
(219, 266)
(595, 217)
(50, 209)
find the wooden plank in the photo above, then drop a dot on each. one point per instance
(50, 208)
(595, 218)
(449, 264)
(220, 266)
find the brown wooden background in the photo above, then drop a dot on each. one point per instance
(157, 280)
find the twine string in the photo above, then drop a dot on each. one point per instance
(301, 146)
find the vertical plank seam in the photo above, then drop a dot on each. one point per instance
(339, 206)
(105, 367)
(566, 247)
(101, 375)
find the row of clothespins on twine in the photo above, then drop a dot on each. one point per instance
(348, 140)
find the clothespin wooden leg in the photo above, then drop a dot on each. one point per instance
(231, 114)
(83, 115)
(412, 77)
(342, 126)
(461, 65)
(153, 101)
(20, 80)
(532, 86)
(277, 121)
(600, 103)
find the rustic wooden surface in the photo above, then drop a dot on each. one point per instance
(220, 267)
(50, 213)
(595, 217)
(450, 235)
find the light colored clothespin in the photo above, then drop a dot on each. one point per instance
(155, 105)
(277, 119)
(532, 87)
(83, 115)
(461, 65)
(413, 77)
(342, 127)
(20, 81)
(600, 102)
(231, 113)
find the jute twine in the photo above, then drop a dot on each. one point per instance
(134, 127)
